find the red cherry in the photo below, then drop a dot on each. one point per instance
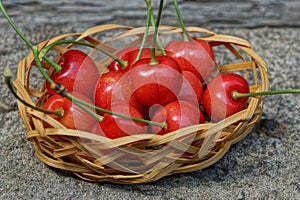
(196, 56)
(74, 117)
(192, 89)
(79, 73)
(218, 101)
(115, 127)
(177, 114)
(104, 88)
(114, 87)
(155, 83)
(129, 55)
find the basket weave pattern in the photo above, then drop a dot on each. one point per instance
(137, 159)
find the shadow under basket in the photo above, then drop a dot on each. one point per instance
(145, 157)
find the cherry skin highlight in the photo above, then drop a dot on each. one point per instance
(218, 101)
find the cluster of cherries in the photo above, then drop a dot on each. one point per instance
(142, 91)
(166, 89)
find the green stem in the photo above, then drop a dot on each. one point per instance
(7, 74)
(40, 66)
(83, 105)
(185, 35)
(55, 66)
(46, 49)
(155, 35)
(149, 11)
(158, 39)
(78, 101)
(237, 95)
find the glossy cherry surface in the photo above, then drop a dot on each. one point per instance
(129, 55)
(195, 56)
(115, 127)
(218, 101)
(192, 88)
(113, 87)
(74, 117)
(79, 73)
(155, 83)
(177, 114)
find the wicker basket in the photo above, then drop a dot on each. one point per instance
(146, 157)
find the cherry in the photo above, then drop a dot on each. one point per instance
(195, 56)
(218, 101)
(227, 94)
(115, 127)
(157, 83)
(177, 114)
(114, 87)
(104, 88)
(129, 55)
(79, 73)
(73, 116)
(191, 90)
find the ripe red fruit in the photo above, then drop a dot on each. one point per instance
(155, 83)
(115, 127)
(129, 55)
(195, 56)
(177, 114)
(79, 73)
(218, 101)
(114, 87)
(74, 117)
(192, 89)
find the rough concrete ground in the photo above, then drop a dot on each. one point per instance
(265, 165)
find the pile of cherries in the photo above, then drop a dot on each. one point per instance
(168, 90)
(142, 91)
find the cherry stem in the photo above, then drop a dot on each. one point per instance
(149, 11)
(46, 49)
(56, 67)
(153, 59)
(158, 39)
(185, 35)
(7, 74)
(99, 118)
(40, 66)
(237, 95)
(150, 18)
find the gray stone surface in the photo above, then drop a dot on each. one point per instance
(265, 165)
